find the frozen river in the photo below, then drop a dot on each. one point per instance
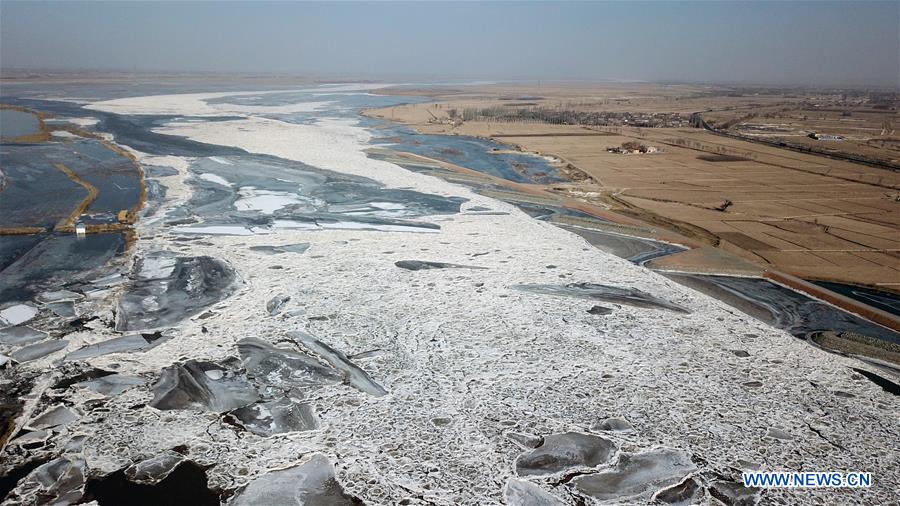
(297, 321)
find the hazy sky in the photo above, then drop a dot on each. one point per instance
(781, 42)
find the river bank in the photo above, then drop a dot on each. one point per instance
(696, 259)
(811, 217)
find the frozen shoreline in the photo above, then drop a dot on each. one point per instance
(195, 104)
(467, 360)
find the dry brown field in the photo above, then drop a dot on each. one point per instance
(808, 215)
(869, 122)
(871, 130)
(616, 97)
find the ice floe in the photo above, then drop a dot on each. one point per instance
(355, 376)
(59, 481)
(276, 303)
(282, 369)
(629, 296)
(264, 201)
(168, 288)
(155, 469)
(39, 350)
(419, 265)
(312, 482)
(85, 122)
(286, 248)
(187, 386)
(688, 491)
(123, 344)
(277, 417)
(525, 493)
(17, 314)
(559, 453)
(636, 476)
(21, 335)
(113, 384)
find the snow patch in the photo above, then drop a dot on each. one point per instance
(214, 178)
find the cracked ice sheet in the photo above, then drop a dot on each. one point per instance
(194, 104)
(328, 143)
(466, 364)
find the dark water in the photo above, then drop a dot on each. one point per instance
(481, 155)
(544, 211)
(302, 196)
(17, 123)
(54, 261)
(35, 193)
(38, 193)
(136, 132)
(116, 177)
(782, 307)
(547, 212)
(634, 249)
(133, 131)
(14, 246)
(187, 482)
(884, 301)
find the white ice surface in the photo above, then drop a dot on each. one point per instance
(329, 143)
(350, 225)
(214, 178)
(85, 122)
(194, 104)
(16, 314)
(264, 201)
(220, 230)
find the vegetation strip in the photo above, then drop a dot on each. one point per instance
(69, 224)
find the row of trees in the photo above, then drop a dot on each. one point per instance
(568, 116)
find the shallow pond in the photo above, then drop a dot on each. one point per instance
(18, 123)
(40, 190)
